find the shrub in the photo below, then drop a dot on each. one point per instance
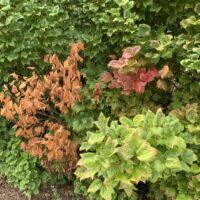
(105, 27)
(35, 107)
(18, 166)
(151, 148)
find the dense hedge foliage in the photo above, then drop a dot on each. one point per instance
(140, 68)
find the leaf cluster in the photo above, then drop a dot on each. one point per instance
(148, 148)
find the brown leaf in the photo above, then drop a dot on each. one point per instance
(14, 89)
(97, 92)
(161, 84)
(165, 72)
(22, 86)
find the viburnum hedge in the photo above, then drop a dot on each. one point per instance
(139, 66)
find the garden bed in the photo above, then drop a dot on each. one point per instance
(9, 192)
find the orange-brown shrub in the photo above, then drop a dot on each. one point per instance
(35, 105)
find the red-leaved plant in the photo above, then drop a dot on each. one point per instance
(130, 72)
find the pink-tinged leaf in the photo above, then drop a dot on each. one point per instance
(130, 52)
(113, 57)
(118, 64)
(114, 84)
(148, 76)
(106, 77)
(116, 74)
(139, 87)
(127, 81)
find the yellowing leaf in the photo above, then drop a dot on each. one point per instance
(95, 186)
(165, 72)
(106, 192)
(161, 85)
(145, 152)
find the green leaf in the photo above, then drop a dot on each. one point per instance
(87, 158)
(128, 187)
(85, 146)
(138, 120)
(188, 156)
(173, 163)
(89, 172)
(158, 165)
(96, 138)
(147, 3)
(12, 56)
(155, 7)
(184, 197)
(125, 152)
(95, 186)
(145, 152)
(126, 121)
(197, 8)
(106, 192)
(191, 115)
(102, 123)
(140, 173)
(144, 30)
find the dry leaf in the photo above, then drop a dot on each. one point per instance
(161, 84)
(165, 72)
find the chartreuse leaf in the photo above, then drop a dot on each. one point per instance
(192, 115)
(128, 187)
(95, 186)
(85, 146)
(102, 123)
(140, 173)
(138, 120)
(125, 152)
(145, 152)
(156, 131)
(126, 121)
(96, 138)
(188, 156)
(87, 158)
(88, 172)
(106, 192)
(173, 163)
(158, 165)
(184, 197)
(109, 148)
(153, 148)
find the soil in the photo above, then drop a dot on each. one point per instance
(8, 192)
